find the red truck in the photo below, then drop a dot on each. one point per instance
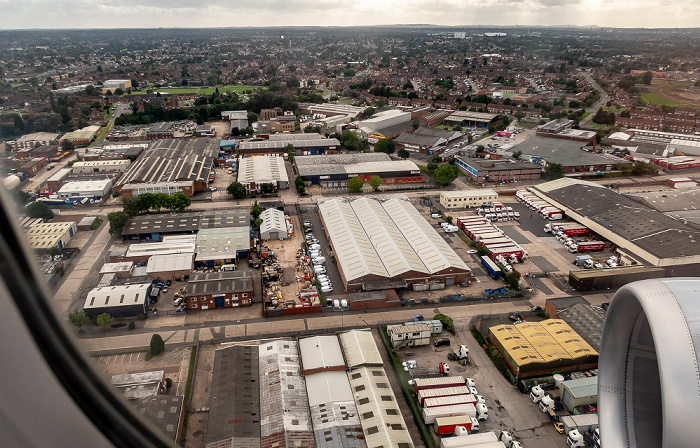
(507, 252)
(446, 425)
(424, 394)
(440, 382)
(586, 246)
(569, 228)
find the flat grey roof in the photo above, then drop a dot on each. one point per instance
(335, 163)
(235, 397)
(649, 229)
(307, 143)
(498, 164)
(561, 303)
(164, 412)
(219, 283)
(564, 152)
(233, 217)
(175, 223)
(587, 321)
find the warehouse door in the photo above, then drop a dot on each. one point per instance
(274, 236)
(219, 301)
(449, 281)
(567, 398)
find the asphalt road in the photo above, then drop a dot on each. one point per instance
(601, 102)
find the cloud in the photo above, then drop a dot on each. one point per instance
(225, 13)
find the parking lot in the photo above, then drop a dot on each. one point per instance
(508, 409)
(331, 268)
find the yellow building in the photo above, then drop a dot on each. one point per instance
(536, 348)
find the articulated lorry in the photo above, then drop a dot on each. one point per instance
(447, 426)
(470, 440)
(567, 228)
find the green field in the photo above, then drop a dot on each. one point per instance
(232, 88)
(653, 98)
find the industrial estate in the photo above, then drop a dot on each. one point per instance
(407, 240)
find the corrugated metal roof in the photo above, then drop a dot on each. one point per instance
(162, 263)
(360, 349)
(223, 242)
(328, 387)
(121, 295)
(582, 387)
(380, 413)
(432, 249)
(353, 249)
(262, 169)
(319, 352)
(391, 245)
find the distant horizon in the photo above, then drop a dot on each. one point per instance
(218, 14)
(398, 25)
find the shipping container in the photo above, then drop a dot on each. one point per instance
(441, 392)
(439, 382)
(430, 414)
(470, 440)
(493, 270)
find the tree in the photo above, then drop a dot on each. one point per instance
(349, 140)
(415, 123)
(104, 320)
(267, 188)
(90, 90)
(257, 210)
(512, 280)
(237, 190)
(78, 318)
(299, 183)
(517, 154)
(403, 153)
(290, 152)
(436, 158)
(180, 202)
(118, 91)
(39, 209)
(446, 174)
(553, 171)
(375, 181)
(432, 167)
(355, 184)
(384, 145)
(53, 251)
(117, 221)
(157, 345)
(368, 112)
(482, 251)
(646, 78)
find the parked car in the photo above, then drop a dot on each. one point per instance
(535, 308)
(471, 251)
(178, 301)
(417, 318)
(442, 342)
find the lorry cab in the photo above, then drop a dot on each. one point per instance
(575, 439)
(482, 412)
(536, 394)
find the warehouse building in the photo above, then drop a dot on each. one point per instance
(100, 166)
(235, 397)
(253, 172)
(115, 151)
(118, 300)
(639, 234)
(171, 245)
(45, 235)
(538, 348)
(237, 118)
(471, 119)
(285, 420)
(331, 109)
(172, 160)
(29, 141)
(155, 227)
(274, 147)
(483, 170)
(273, 226)
(380, 242)
(384, 120)
(337, 169)
(321, 354)
(81, 136)
(231, 217)
(119, 269)
(170, 188)
(92, 189)
(575, 156)
(379, 411)
(334, 416)
(459, 199)
(56, 180)
(221, 245)
(360, 349)
(579, 392)
(31, 167)
(219, 290)
(426, 140)
(170, 267)
(585, 320)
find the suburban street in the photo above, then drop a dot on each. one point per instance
(600, 103)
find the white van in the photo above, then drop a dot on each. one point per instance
(435, 215)
(336, 303)
(319, 260)
(319, 269)
(327, 289)
(315, 247)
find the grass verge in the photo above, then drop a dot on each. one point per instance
(188, 391)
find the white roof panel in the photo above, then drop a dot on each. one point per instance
(318, 352)
(328, 387)
(359, 348)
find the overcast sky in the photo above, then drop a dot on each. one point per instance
(226, 13)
